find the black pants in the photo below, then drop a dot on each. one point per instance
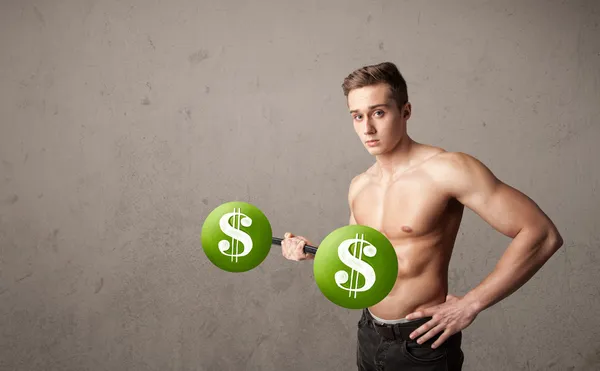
(389, 348)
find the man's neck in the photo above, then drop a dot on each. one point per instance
(397, 160)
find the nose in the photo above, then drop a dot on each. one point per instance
(369, 127)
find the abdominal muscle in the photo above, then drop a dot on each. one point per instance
(422, 279)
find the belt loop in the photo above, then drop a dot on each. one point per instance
(394, 335)
(385, 331)
(397, 333)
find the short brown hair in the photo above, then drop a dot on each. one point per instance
(385, 72)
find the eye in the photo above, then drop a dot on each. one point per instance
(357, 117)
(379, 112)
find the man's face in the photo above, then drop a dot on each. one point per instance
(377, 118)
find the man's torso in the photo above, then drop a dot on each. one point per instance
(421, 221)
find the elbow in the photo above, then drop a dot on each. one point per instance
(547, 239)
(554, 240)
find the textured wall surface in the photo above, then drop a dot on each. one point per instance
(124, 123)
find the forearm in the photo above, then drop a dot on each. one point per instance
(526, 254)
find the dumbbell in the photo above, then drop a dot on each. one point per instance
(355, 266)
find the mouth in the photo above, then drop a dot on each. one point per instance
(372, 142)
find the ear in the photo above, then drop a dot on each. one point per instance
(406, 111)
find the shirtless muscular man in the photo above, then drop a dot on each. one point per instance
(415, 194)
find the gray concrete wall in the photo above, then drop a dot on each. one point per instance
(124, 123)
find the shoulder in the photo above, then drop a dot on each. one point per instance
(358, 182)
(457, 172)
(364, 177)
(454, 162)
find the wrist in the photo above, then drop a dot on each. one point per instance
(473, 303)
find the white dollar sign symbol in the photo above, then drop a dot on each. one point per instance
(236, 234)
(356, 264)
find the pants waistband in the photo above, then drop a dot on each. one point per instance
(396, 331)
(389, 322)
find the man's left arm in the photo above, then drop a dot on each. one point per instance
(534, 240)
